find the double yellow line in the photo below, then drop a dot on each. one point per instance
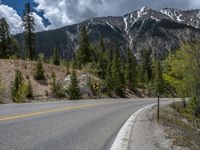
(4, 118)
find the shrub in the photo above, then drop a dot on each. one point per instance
(29, 90)
(39, 74)
(56, 87)
(21, 94)
(73, 90)
(18, 88)
(56, 57)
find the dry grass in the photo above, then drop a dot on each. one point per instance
(183, 131)
(40, 90)
(7, 71)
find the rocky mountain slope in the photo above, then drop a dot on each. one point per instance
(158, 31)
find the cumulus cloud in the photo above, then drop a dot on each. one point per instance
(65, 12)
(39, 23)
(11, 16)
(15, 21)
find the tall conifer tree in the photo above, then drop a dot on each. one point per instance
(158, 79)
(56, 57)
(8, 45)
(130, 70)
(146, 67)
(117, 76)
(29, 36)
(84, 53)
(74, 90)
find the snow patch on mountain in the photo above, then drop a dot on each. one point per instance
(197, 26)
(126, 24)
(178, 16)
(131, 16)
(198, 15)
(111, 26)
(71, 36)
(130, 41)
(174, 14)
(142, 12)
(154, 18)
(167, 12)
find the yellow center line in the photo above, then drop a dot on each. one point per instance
(4, 118)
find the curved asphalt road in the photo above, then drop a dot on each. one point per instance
(65, 125)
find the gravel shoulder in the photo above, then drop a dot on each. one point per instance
(148, 134)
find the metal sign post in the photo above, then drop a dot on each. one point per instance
(158, 110)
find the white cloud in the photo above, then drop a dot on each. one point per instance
(64, 12)
(15, 21)
(39, 24)
(55, 11)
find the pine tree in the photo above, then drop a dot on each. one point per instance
(8, 45)
(17, 82)
(102, 44)
(84, 53)
(39, 74)
(29, 36)
(130, 70)
(146, 67)
(102, 64)
(18, 88)
(29, 89)
(4, 37)
(158, 79)
(56, 57)
(74, 90)
(108, 79)
(117, 77)
(14, 47)
(102, 58)
(53, 84)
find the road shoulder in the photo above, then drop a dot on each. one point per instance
(148, 134)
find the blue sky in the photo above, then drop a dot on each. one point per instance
(52, 14)
(18, 6)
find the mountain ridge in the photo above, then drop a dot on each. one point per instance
(138, 30)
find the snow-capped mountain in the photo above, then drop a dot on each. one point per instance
(158, 31)
(190, 17)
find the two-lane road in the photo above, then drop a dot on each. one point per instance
(65, 125)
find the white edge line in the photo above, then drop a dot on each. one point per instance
(122, 139)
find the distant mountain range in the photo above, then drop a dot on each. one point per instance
(158, 31)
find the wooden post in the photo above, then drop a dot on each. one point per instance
(158, 111)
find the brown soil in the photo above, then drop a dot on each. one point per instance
(40, 89)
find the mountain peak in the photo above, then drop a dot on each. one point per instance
(144, 9)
